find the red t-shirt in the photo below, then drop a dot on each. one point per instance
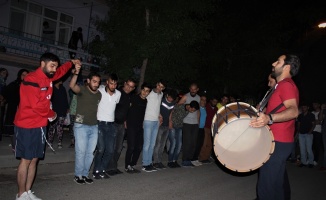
(285, 90)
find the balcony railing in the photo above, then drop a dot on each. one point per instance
(31, 46)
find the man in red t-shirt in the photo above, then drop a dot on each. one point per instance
(273, 181)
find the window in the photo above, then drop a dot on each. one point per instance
(33, 20)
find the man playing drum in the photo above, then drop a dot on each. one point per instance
(273, 180)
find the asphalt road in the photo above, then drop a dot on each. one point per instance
(55, 182)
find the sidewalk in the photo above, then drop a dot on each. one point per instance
(66, 154)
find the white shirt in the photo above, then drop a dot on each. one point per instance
(153, 106)
(106, 107)
(318, 126)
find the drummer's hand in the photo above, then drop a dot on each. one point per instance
(260, 121)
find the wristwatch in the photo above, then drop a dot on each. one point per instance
(270, 122)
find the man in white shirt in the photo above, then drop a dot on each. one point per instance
(106, 128)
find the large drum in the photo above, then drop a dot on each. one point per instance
(238, 146)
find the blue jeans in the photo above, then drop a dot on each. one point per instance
(85, 143)
(162, 135)
(175, 137)
(305, 142)
(150, 133)
(105, 145)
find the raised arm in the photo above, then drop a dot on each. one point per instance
(73, 82)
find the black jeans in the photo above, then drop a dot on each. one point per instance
(317, 144)
(199, 143)
(189, 138)
(135, 140)
(118, 145)
(273, 182)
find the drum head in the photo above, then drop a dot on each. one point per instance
(242, 148)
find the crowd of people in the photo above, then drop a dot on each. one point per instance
(155, 120)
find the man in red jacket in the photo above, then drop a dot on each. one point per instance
(32, 117)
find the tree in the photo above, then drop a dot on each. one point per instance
(164, 36)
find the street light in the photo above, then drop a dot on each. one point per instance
(322, 25)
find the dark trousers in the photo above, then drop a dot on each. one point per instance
(105, 145)
(273, 182)
(317, 144)
(118, 145)
(189, 138)
(199, 143)
(135, 139)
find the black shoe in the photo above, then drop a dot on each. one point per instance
(104, 175)
(118, 171)
(87, 180)
(135, 170)
(129, 170)
(96, 175)
(171, 165)
(176, 164)
(154, 169)
(147, 168)
(310, 165)
(79, 180)
(302, 165)
(206, 161)
(112, 172)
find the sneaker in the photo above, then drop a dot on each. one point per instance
(118, 171)
(315, 163)
(187, 163)
(32, 195)
(104, 175)
(23, 196)
(176, 164)
(96, 175)
(302, 165)
(196, 163)
(147, 168)
(154, 169)
(206, 161)
(79, 180)
(135, 170)
(87, 180)
(129, 170)
(59, 145)
(171, 165)
(159, 166)
(112, 172)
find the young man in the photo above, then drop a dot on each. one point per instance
(106, 128)
(32, 117)
(179, 112)
(163, 131)
(85, 126)
(273, 181)
(135, 129)
(306, 125)
(121, 112)
(151, 124)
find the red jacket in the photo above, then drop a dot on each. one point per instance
(35, 95)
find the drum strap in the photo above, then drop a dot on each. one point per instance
(266, 98)
(276, 109)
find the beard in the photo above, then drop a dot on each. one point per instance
(48, 74)
(94, 89)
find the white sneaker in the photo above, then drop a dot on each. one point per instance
(32, 196)
(315, 163)
(196, 163)
(23, 196)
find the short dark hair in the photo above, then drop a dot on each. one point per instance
(79, 29)
(172, 93)
(294, 63)
(113, 77)
(194, 104)
(46, 57)
(145, 85)
(163, 82)
(92, 74)
(131, 80)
